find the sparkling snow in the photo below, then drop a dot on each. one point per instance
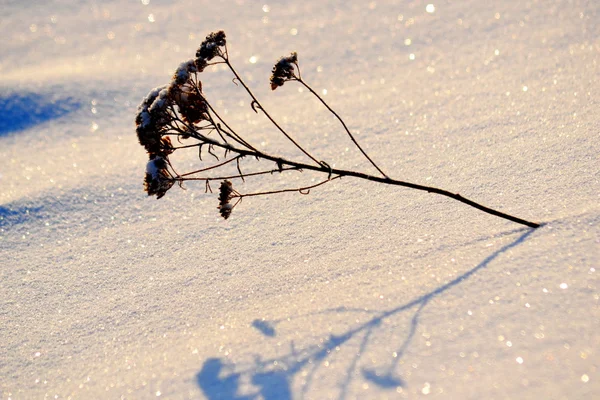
(356, 291)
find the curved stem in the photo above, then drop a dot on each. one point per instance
(386, 180)
(211, 167)
(299, 79)
(267, 114)
(232, 134)
(220, 178)
(302, 189)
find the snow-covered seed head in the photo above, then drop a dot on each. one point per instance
(284, 70)
(186, 93)
(143, 118)
(209, 49)
(225, 194)
(152, 118)
(158, 180)
(183, 72)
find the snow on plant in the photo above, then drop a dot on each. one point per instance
(181, 112)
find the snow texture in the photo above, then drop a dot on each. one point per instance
(356, 291)
(183, 72)
(152, 169)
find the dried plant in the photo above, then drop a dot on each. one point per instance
(180, 111)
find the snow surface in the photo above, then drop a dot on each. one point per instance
(355, 291)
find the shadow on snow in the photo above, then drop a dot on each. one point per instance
(219, 380)
(15, 216)
(21, 111)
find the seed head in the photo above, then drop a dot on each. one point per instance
(284, 70)
(186, 93)
(152, 119)
(225, 195)
(158, 179)
(209, 49)
(182, 74)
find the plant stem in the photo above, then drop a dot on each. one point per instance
(267, 114)
(220, 178)
(302, 190)
(299, 79)
(231, 132)
(386, 180)
(209, 168)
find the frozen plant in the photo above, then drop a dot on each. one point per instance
(180, 112)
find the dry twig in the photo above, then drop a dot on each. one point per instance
(180, 111)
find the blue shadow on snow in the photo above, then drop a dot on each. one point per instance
(21, 111)
(12, 216)
(220, 380)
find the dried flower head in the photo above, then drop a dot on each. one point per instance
(225, 195)
(187, 94)
(209, 49)
(158, 179)
(152, 119)
(165, 148)
(192, 106)
(284, 70)
(182, 74)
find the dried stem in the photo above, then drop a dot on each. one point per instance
(299, 79)
(209, 168)
(220, 178)
(181, 110)
(255, 101)
(389, 181)
(303, 190)
(231, 132)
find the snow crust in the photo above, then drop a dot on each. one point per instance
(357, 291)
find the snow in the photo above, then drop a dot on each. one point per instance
(154, 100)
(152, 169)
(183, 72)
(357, 290)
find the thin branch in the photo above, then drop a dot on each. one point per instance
(299, 79)
(389, 181)
(210, 151)
(240, 170)
(231, 132)
(255, 100)
(187, 147)
(212, 167)
(221, 178)
(303, 190)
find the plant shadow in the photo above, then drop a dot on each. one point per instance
(220, 380)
